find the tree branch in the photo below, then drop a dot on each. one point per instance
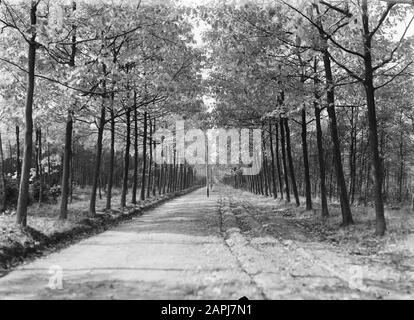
(389, 59)
(394, 76)
(381, 20)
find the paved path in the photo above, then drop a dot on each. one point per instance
(175, 251)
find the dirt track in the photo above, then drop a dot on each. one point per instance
(196, 248)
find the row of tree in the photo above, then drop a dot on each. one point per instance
(329, 82)
(342, 69)
(98, 78)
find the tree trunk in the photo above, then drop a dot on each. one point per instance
(330, 99)
(172, 171)
(150, 173)
(67, 174)
(144, 156)
(308, 190)
(362, 151)
(39, 160)
(49, 164)
(175, 170)
(92, 203)
(279, 168)
(260, 178)
(343, 192)
(111, 158)
(207, 164)
(169, 170)
(135, 181)
(375, 163)
(367, 183)
(165, 174)
(161, 178)
(21, 213)
(181, 177)
(2, 180)
(331, 173)
(72, 172)
(372, 125)
(285, 172)
(401, 173)
(18, 162)
(383, 146)
(184, 176)
(66, 167)
(100, 186)
(36, 155)
(265, 169)
(155, 176)
(352, 158)
(126, 158)
(290, 159)
(272, 152)
(72, 64)
(321, 158)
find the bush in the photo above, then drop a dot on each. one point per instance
(48, 194)
(55, 192)
(35, 191)
(12, 192)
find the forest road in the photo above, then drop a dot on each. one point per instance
(175, 251)
(192, 247)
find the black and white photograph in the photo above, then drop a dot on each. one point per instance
(191, 151)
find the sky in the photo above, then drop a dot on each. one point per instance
(401, 28)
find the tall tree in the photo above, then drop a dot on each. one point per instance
(111, 155)
(2, 180)
(126, 158)
(99, 147)
(290, 160)
(330, 101)
(21, 213)
(272, 152)
(144, 156)
(319, 142)
(150, 173)
(135, 177)
(285, 168)
(308, 191)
